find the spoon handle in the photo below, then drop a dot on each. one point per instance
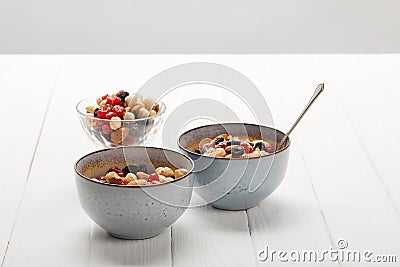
(317, 92)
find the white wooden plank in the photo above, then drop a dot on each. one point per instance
(206, 236)
(290, 219)
(25, 85)
(375, 118)
(352, 198)
(351, 194)
(50, 205)
(51, 228)
(106, 250)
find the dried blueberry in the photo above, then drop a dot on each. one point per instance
(260, 145)
(233, 142)
(123, 95)
(237, 151)
(95, 112)
(134, 168)
(218, 140)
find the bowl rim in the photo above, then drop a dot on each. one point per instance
(84, 114)
(288, 141)
(132, 186)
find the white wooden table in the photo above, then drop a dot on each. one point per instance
(342, 181)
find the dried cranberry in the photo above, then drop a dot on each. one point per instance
(102, 112)
(153, 177)
(113, 100)
(129, 140)
(270, 149)
(247, 147)
(106, 129)
(208, 145)
(101, 178)
(104, 97)
(121, 174)
(111, 114)
(114, 169)
(119, 110)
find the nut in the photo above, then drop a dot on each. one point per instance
(103, 103)
(98, 100)
(161, 178)
(159, 169)
(142, 175)
(180, 172)
(165, 171)
(169, 179)
(115, 123)
(141, 182)
(113, 178)
(220, 152)
(90, 109)
(129, 116)
(135, 109)
(143, 113)
(119, 135)
(148, 103)
(225, 136)
(133, 183)
(128, 99)
(134, 99)
(152, 113)
(130, 177)
(156, 182)
(156, 107)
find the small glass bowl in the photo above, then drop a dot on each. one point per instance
(132, 132)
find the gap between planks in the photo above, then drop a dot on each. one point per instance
(31, 163)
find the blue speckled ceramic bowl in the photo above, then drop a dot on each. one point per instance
(235, 184)
(133, 212)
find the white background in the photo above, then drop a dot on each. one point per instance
(207, 26)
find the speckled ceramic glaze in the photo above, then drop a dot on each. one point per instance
(236, 184)
(133, 212)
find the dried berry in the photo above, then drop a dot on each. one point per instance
(122, 94)
(237, 151)
(113, 100)
(110, 115)
(233, 142)
(114, 169)
(106, 129)
(218, 140)
(134, 168)
(153, 177)
(102, 112)
(247, 147)
(260, 145)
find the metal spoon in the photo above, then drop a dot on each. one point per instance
(317, 92)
